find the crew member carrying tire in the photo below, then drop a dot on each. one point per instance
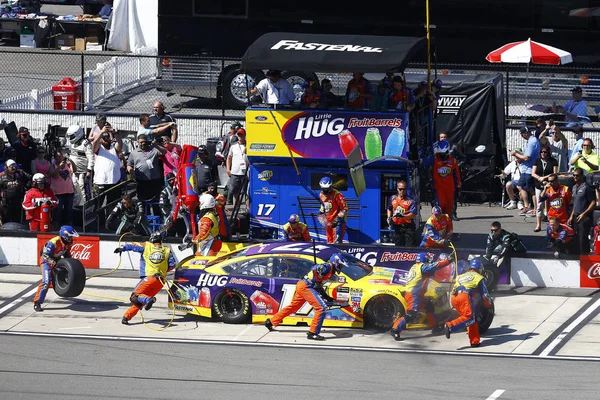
(54, 249)
(310, 289)
(416, 286)
(467, 285)
(335, 209)
(155, 261)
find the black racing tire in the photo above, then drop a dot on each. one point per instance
(232, 306)
(234, 87)
(68, 277)
(382, 310)
(491, 275)
(485, 317)
(297, 79)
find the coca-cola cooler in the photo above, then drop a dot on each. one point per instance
(67, 95)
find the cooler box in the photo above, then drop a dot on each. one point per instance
(27, 40)
(67, 95)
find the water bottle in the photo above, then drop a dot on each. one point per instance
(348, 143)
(394, 145)
(373, 144)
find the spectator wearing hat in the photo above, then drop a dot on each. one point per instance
(274, 89)
(151, 133)
(577, 147)
(388, 81)
(528, 159)
(328, 98)
(586, 159)
(573, 109)
(6, 153)
(311, 96)
(357, 92)
(424, 97)
(160, 118)
(12, 189)
(436, 87)
(26, 149)
(206, 170)
(237, 166)
(144, 165)
(167, 199)
(401, 97)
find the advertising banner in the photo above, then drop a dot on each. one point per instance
(326, 134)
(85, 249)
(589, 271)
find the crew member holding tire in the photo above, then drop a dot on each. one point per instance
(54, 249)
(416, 286)
(310, 289)
(467, 285)
(155, 261)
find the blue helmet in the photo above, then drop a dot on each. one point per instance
(476, 264)
(294, 219)
(462, 267)
(422, 257)
(323, 269)
(441, 147)
(325, 183)
(67, 233)
(339, 261)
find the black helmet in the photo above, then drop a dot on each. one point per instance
(202, 149)
(157, 237)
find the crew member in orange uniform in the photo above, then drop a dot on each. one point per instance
(400, 216)
(438, 229)
(560, 238)
(467, 285)
(335, 208)
(559, 199)
(54, 249)
(310, 289)
(209, 237)
(35, 198)
(416, 286)
(446, 175)
(295, 231)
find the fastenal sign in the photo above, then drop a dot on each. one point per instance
(295, 45)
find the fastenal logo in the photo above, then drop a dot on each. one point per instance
(265, 175)
(594, 271)
(451, 103)
(295, 45)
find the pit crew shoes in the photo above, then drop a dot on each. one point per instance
(125, 321)
(37, 307)
(447, 331)
(314, 336)
(150, 303)
(395, 334)
(437, 329)
(269, 325)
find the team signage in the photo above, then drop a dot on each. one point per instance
(296, 45)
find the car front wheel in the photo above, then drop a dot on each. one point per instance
(382, 310)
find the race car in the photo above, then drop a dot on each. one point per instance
(253, 283)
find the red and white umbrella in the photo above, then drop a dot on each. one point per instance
(529, 52)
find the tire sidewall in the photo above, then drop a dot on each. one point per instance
(243, 316)
(75, 277)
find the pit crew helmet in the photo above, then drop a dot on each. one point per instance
(422, 257)
(75, 133)
(294, 219)
(325, 183)
(157, 237)
(476, 265)
(437, 210)
(39, 179)
(462, 267)
(67, 233)
(338, 261)
(207, 201)
(441, 147)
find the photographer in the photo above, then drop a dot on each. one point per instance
(107, 167)
(26, 149)
(158, 131)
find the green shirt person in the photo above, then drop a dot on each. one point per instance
(586, 159)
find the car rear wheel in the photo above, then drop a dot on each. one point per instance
(68, 277)
(382, 310)
(485, 317)
(232, 306)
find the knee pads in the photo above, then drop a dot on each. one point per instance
(135, 300)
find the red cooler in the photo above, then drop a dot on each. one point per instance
(67, 95)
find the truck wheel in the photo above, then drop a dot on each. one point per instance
(298, 79)
(381, 312)
(68, 277)
(232, 306)
(234, 87)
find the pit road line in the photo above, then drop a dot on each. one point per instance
(496, 394)
(18, 299)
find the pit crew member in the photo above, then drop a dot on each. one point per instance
(209, 236)
(400, 216)
(295, 231)
(35, 197)
(438, 229)
(335, 209)
(446, 175)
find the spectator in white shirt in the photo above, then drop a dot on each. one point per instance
(237, 166)
(512, 170)
(274, 89)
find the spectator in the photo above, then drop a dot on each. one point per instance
(387, 82)
(5, 154)
(401, 212)
(573, 109)
(379, 101)
(97, 129)
(12, 190)
(143, 163)
(558, 144)
(237, 167)
(107, 171)
(167, 200)
(128, 216)
(225, 142)
(559, 199)
(274, 89)
(160, 118)
(578, 132)
(40, 165)
(170, 159)
(82, 155)
(106, 9)
(584, 201)
(357, 92)
(586, 159)
(40, 194)
(151, 133)
(512, 169)
(528, 159)
(544, 167)
(542, 127)
(62, 185)
(311, 96)
(401, 97)
(206, 171)
(26, 149)
(438, 229)
(328, 98)
(560, 238)
(424, 97)
(437, 86)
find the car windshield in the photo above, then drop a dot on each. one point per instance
(229, 256)
(356, 268)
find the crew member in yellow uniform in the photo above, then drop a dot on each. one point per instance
(155, 261)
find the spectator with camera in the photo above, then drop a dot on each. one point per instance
(26, 149)
(557, 143)
(128, 216)
(586, 159)
(544, 167)
(513, 171)
(151, 133)
(578, 132)
(12, 189)
(82, 156)
(39, 195)
(160, 118)
(584, 202)
(144, 165)
(107, 172)
(62, 185)
(97, 129)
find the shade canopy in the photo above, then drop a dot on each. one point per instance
(331, 53)
(529, 52)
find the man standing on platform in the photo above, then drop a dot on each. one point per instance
(401, 213)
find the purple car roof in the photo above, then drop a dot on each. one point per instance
(323, 251)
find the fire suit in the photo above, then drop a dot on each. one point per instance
(467, 285)
(561, 241)
(53, 250)
(33, 204)
(128, 219)
(446, 179)
(437, 231)
(155, 261)
(404, 227)
(223, 222)
(597, 240)
(209, 237)
(296, 234)
(416, 286)
(82, 156)
(559, 202)
(335, 208)
(309, 289)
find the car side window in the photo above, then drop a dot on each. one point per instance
(291, 267)
(255, 267)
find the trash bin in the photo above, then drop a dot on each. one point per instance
(67, 95)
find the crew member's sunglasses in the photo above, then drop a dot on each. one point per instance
(401, 189)
(576, 175)
(494, 230)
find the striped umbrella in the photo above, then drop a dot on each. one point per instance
(529, 52)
